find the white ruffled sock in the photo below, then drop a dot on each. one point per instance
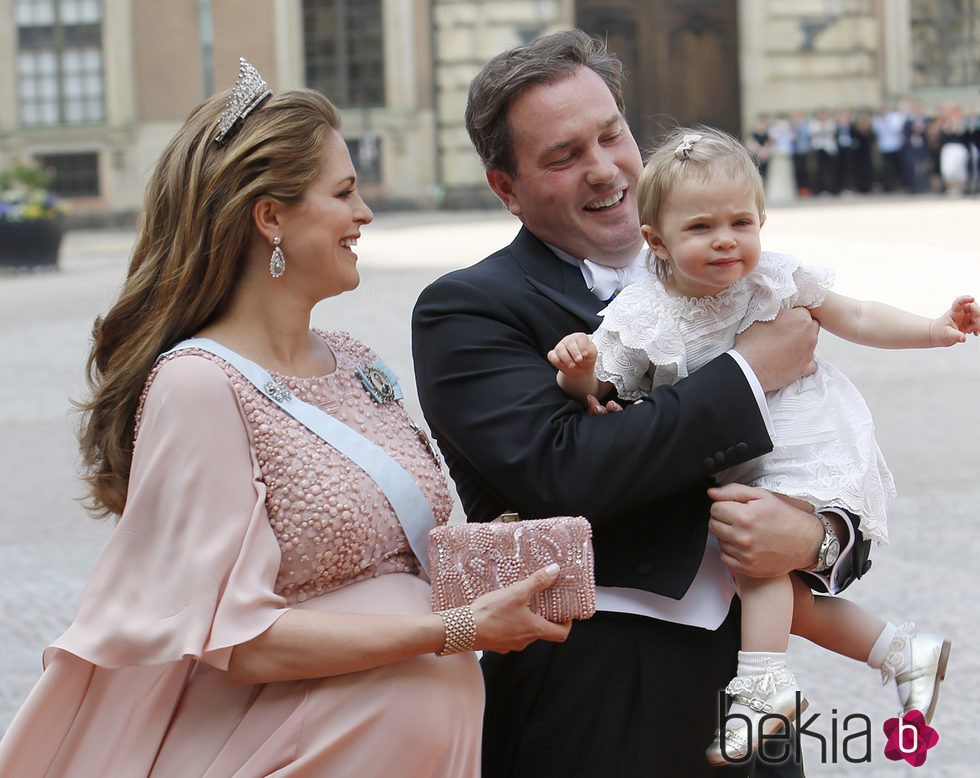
(880, 649)
(752, 667)
(892, 654)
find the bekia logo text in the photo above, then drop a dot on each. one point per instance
(848, 739)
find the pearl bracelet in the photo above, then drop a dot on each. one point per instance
(460, 627)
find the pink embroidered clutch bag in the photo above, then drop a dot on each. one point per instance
(467, 560)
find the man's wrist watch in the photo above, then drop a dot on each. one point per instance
(829, 547)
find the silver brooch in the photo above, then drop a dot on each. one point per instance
(277, 390)
(249, 93)
(380, 381)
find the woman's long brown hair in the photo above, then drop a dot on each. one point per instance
(192, 240)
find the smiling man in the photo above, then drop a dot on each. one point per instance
(634, 690)
(576, 185)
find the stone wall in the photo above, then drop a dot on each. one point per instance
(467, 33)
(809, 54)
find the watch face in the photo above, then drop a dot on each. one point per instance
(833, 551)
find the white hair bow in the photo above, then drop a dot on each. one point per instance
(683, 151)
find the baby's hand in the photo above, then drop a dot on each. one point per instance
(966, 314)
(574, 355)
(596, 408)
(961, 319)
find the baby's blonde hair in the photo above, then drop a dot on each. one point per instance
(714, 153)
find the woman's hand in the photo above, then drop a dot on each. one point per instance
(504, 622)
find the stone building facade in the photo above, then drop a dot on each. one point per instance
(93, 88)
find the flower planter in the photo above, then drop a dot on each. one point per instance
(30, 244)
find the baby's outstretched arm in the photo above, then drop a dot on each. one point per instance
(882, 326)
(574, 357)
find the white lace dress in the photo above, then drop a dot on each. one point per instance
(824, 448)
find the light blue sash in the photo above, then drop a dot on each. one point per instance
(410, 505)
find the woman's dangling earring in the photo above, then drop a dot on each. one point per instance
(277, 264)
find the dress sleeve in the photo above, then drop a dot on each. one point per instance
(190, 568)
(782, 281)
(812, 284)
(623, 367)
(638, 343)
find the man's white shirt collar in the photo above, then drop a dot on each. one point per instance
(605, 282)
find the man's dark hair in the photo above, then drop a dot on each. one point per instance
(544, 60)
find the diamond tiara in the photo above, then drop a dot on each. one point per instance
(249, 93)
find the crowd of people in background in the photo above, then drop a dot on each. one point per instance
(901, 147)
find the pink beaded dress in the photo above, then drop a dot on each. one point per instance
(235, 514)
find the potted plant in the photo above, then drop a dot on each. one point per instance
(31, 226)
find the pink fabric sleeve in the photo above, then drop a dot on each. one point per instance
(189, 570)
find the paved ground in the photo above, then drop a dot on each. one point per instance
(914, 253)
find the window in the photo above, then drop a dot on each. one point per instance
(59, 62)
(344, 48)
(365, 153)
(75, 175)
(944, 42)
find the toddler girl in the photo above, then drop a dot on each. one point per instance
(702, 208)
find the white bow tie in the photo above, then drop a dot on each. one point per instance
(605, 282)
